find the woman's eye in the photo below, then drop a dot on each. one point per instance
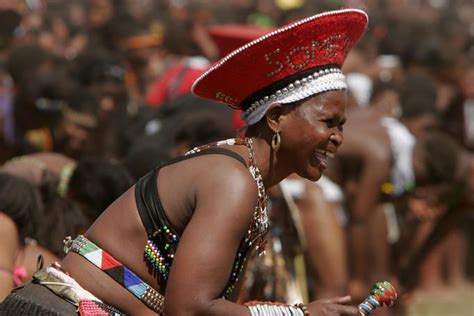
(329, 123)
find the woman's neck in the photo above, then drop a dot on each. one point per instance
(265, 158)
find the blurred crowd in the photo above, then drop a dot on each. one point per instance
(96, 93)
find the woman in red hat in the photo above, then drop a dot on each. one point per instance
(177, 242)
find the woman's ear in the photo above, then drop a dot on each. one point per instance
(274, 116)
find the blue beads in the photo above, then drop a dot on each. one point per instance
(159, 250)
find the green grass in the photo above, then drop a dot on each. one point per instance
(453, 303)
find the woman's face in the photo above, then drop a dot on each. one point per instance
(312, 133)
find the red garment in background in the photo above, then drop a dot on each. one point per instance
(237, 121)
(177, 80)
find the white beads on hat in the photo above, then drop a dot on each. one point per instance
(324, 80)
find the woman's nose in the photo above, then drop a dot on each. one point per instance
(337, 138)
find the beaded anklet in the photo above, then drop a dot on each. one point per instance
(116, 270)
(258, 308)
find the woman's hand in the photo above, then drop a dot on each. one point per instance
(332, 307)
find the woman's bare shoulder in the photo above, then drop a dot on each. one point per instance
(231, 188)
(227, 174)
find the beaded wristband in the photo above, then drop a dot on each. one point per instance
(304, 308)
(274, 309)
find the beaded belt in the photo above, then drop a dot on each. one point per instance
(117, 271)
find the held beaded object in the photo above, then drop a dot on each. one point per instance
(382, 294)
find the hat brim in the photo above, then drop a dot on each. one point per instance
(323, 39)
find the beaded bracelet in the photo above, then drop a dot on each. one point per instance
(304, 308)
(276, 309)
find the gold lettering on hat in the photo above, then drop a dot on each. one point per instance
(347, 42)
(328, 46)
(273, 62)
(309, 56)
(225, 98)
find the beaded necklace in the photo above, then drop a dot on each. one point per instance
(161, 246)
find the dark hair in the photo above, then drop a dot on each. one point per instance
(202, 128)
(21, 201)
(254, 129)
(144, 156)
(54, 217)
(9, 21)
(441, 157)
(418, 96)
(425, 54)
(380, 87)
(24, 60)
(62, 217)
(97, 67)
(96, 183)
(178, 38)
(42, 96)
(83, 101)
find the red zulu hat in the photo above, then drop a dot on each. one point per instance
(289, 64)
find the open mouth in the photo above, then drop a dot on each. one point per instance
(322, 156)
(325, 153)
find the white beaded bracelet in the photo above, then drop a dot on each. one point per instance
(262, 309)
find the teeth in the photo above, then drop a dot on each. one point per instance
(325, 153)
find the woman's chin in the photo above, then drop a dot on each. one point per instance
(315, 178)
(312, 174)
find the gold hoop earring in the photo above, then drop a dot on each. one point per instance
(276, 141)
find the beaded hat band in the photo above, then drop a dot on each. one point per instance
(324, 80)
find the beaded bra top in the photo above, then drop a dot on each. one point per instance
(162, 243)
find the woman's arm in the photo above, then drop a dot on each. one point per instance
(225, 202)
(206, 252)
